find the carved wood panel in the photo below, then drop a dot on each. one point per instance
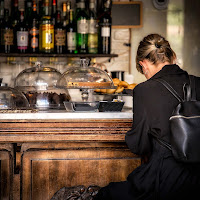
(6, 172)
(45, 171)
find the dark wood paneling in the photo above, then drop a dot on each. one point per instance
(46, 171)
(6, 171)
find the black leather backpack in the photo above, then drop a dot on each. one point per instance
(184, 124)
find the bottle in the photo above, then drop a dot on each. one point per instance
(92, 32)
(66, 6)
(53, 11)
(7, 35)
(41, 9)
(46, 31)
(1, 15)
(28, 12)
(22, 35)
(60, 35)
(105, 22)
(71, 34)
(15, 14)
(1, 11)
(82, 28)
(34, 30)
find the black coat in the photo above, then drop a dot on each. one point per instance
(162, 177)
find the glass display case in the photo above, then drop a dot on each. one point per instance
(81, 82)
(86, 79)
(11, 99)
(38, 84)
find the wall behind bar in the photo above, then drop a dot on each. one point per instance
(180, 25)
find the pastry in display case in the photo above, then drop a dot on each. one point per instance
(38, 84)
(12, 99)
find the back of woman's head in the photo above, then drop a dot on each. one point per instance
(156, 49)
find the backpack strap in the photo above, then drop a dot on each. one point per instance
(161, 141)
(169, 88)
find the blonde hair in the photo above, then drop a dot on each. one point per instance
(156, 49)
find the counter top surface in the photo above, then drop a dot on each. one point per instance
(126, 114)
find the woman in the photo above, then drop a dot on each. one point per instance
(162, 177)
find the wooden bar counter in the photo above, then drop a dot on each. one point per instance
(43, 152)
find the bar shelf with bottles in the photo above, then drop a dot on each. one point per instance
(57, 55)
(43, 29)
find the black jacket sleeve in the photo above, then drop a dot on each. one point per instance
(137, 138)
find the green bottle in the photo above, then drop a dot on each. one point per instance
(71, 34)
(82, 28)
(92, 32)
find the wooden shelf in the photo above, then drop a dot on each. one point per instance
(56, 55)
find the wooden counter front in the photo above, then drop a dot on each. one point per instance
(63, 130)
(66, 152)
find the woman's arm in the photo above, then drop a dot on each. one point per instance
(137, 138)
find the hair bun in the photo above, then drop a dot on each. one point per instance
(158, 44)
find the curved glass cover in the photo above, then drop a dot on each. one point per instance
(85, 77)
(37, 78)
(38, 84)
(11, 98)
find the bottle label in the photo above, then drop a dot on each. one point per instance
(71, 41)
(93, 43)
(47, 36)
(92, 26)
(60, 37)
(105, 32)
(22, 39)
(7, 37)
(34, 32)
(82, 26)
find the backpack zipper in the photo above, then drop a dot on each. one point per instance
(181, 116)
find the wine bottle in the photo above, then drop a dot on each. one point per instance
(53, 11)
(82, 29)
(15, 13)
(92, 32)
(22, 35)
(1, 11)
(41, 9)
(28, 12)
(71, 34)
(7, 35)
(60, 35)
(34, 30)
(105, 22)
(46, 31)
(66, 6)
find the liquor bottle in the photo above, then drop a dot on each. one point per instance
(15, 14)
(28, 12)
(1, 11)
(7, 36)
(46, 31)
(41, 9)
(71, 34)
(92, 32)
(53, 11)
(34, 30)
(60, 35)
(105, 22)
(82, 29)
(66, 6)
(22, 35)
